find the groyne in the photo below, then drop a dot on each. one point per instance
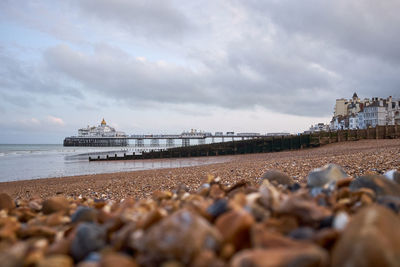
(264, 144)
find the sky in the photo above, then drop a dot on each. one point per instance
(167, 66)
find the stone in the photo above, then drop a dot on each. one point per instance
(302, 233)
(10, 260)
(88, 237)
(278, 177)
(181, 236)
(6, 202)
(56, 260)
(322, 176)
(307, 211)
(234, 227)
(379, 184)
(114, 259)
(371, 238)
(207, 258)
(262, 237)
(306, 256)
(84, 214)
(218, 207)
(340, 221)
(55, 204)
(390, 202)
(216, 192)
(393, 175)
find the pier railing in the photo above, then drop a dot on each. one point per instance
(265, 144)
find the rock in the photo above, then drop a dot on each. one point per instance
(302, 233)
(10, 260)
(84, 214)
(379, 184)
(307, 211)
(393, 175)
(278, 177)
(306, 256)
(218, 207)
(262, 237)
(55, 204)
(235, 227)
(6, 202)
(88, 237)
(114, 259)
(340, 221)
(329, 173)
(216, 192)
(390, 202)
(371, 238)
(181, 236)
(56, 260)
(207, 258)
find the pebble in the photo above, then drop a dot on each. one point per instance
(223, 224)
(306, 256)
(113, 259)
(372, 238)
(55, 204)
(329, 173)
(393, 175)
(217, 208)
(278, 177)
(379, 184)
(181, 236)
(56, 260)
(340, 221)
(88, 237)
(84, 214)
(6, 202)
(234, 227)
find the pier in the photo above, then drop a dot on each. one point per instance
(263, 144)
(161, 140)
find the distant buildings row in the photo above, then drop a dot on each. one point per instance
(355, 113)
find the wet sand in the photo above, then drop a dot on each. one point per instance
(357, 158)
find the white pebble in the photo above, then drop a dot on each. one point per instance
(340, 221)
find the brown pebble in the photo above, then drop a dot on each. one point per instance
(56, 260)
(113, 259)
(371, 239)
(6, 202)
(235, 227)
(307, 256)
(55, 204)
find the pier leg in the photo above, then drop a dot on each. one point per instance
(186, 142)
(155, 142)
(139, 142)
(170, 143)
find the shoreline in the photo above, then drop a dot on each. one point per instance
(356, 157)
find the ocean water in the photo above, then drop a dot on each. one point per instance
(25, 162)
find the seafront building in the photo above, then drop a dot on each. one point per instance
(355, 113)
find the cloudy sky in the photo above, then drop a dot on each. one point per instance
(167, 66)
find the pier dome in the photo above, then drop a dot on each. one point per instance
(103, 122)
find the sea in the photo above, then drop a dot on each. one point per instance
(26, 162)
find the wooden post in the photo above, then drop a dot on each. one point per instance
(376, 132)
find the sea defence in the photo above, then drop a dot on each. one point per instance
(264, 144)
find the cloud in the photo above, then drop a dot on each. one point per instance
(155, 19)
(284, 56)
(55, 120)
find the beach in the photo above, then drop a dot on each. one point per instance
(356, 158)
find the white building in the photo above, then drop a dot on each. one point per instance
(375, 114)
(103, 130)
(353, 122)
(361, 114)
